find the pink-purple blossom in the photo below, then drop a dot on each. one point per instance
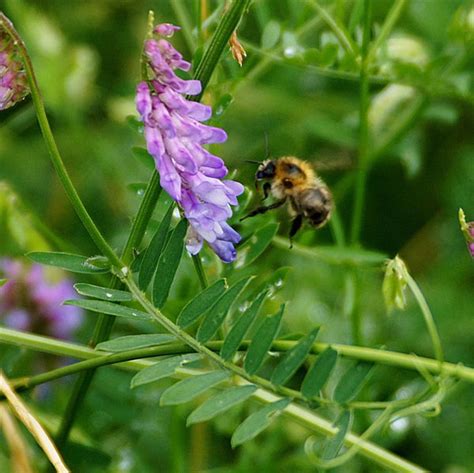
(13, 82)
(175, 136)
(30, 301)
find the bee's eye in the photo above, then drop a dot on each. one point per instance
(267, 172)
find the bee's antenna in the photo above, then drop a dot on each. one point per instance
(252, 161)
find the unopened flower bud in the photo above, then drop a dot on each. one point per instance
(394, 284)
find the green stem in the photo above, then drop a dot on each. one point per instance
(400, 360)
(53, 150)
(429, 321)
(363, 131)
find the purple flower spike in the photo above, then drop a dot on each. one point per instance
(29, 301)
(175, 136)
(13, 82)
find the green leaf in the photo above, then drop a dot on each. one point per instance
(256, 245)
(293, 359)
(257, 422)
(162, 369)
(270, 34)
(217, 313)
(132, 342)
(220, 403)
(240, 328)
(152, 253)
(190, 388)
(104, 293)
(200, 304)
(168, 264)
(319, 373)
(3, 282)
(67, 261)
(144, 157)
(333, 445)
(109, 308)
(352, 382)
(262, 341)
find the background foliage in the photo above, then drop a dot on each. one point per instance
(87, 58)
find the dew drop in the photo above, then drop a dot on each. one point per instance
(290, 51)
(400, 425)
(243, 307)
(107, 294)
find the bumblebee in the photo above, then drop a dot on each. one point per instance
(294, 181)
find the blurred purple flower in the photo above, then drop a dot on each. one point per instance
(28, 301)
(174, 135)
(13, 82)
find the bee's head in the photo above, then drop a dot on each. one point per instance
(266, 170)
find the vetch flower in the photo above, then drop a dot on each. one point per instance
(13, 82)
(175, 136)
(30, 301)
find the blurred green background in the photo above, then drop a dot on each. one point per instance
(86, 55)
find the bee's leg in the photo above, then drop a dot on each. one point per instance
(264, 209)
(266, 190)
(295, 226)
